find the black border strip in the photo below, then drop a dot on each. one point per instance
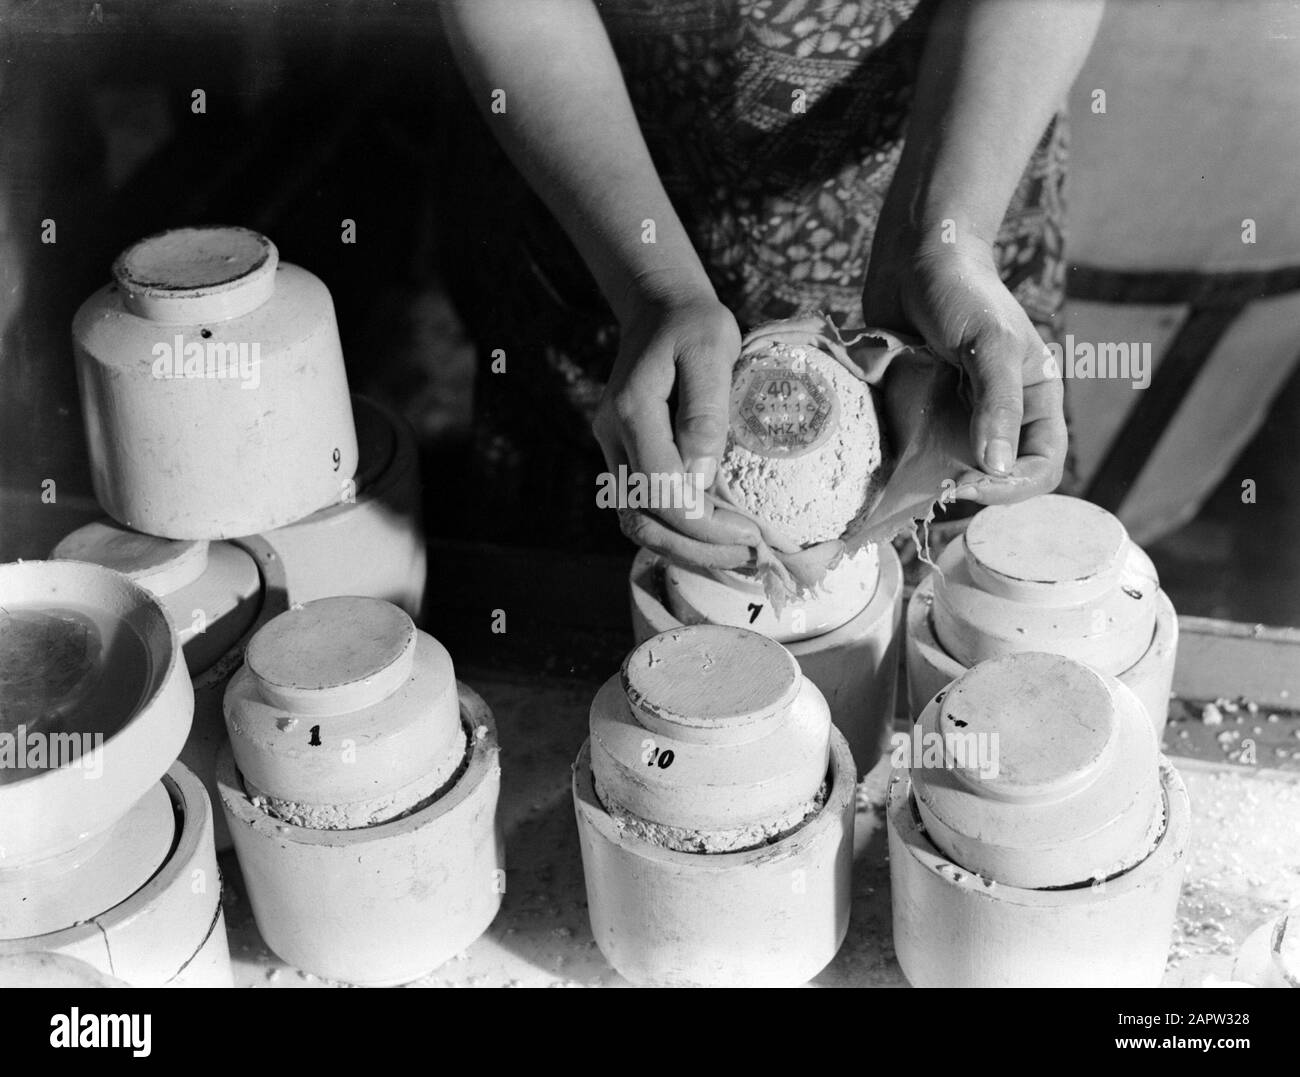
(1160, 287)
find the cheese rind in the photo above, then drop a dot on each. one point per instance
(804, 447)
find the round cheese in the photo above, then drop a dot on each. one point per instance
(804, 446)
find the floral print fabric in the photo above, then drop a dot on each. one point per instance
(776, 126)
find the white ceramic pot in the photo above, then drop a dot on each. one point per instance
(854, 663)
(91, 670)
(1036, 837)
(381, 904)
(344, 714)
(166, 931)
(715, 811)
(212, 388)
(1053, 574)
(371, 540)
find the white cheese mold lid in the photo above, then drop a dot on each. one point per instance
(709, 727)
(213, 389)
(211, 590)
(159, 565)
(191, 275)
(1035, 771)
(1051, 573)
(343, 701)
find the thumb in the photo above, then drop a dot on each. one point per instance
(993, 361)
(703, 409)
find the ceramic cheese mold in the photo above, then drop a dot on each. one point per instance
(1037, 837)
(1270, 956)
(106, 843)
(844, 635)
(212, 590)
(715, 812)
(218, 593)
(212, 388)
(360, 786)
(1054, 574)
(803, 455)
(371, 542)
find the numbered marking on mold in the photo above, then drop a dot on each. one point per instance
(755, 608)
(651, 755)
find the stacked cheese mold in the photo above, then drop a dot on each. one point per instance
(107, 844)
(803, 456)
(360, 786)
(715, 811)
(216, 407)
(1038, 837)
(214, 593)
(1054, 574)
(212, 388)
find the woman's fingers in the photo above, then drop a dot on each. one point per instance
(652, 533)
(962, 308)
(1044, 434)
(1041, 459)
(678, 497)
(704, 364)
(993, 358)
(694, 349)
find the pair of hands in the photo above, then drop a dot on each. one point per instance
(950, 295)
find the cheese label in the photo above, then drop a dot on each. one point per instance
(782, 408)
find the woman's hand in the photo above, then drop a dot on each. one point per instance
(951, 295)
(689, 341)
(570, 128)
(992, 76)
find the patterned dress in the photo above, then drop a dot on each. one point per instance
(776, 127)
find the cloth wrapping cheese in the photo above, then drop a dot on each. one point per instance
(924, 422)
